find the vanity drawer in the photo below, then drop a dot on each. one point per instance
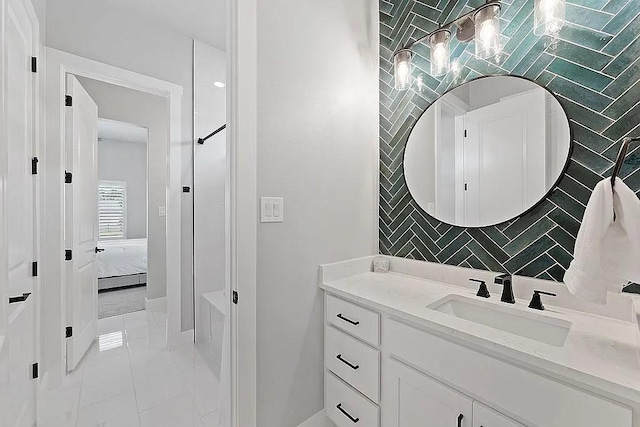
(358, 321)
(535, 399)
(346, 407)
(354, 362)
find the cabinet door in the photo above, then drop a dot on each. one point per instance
(413, 400)
(485, 417)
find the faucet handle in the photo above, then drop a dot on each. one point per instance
(536, 300)
(483, 291)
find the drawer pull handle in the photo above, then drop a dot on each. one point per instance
(460, 418)
(354, 323)
(354, 367)
(346, 414)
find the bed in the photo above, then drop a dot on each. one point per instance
(122, 263)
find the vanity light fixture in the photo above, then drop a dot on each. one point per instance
(488, 37)
(402, 68)
(549, 17)
(440, 50)
(482, 23)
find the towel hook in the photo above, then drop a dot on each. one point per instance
(624, 148)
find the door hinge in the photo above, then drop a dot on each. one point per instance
(186, 189)
(68, 332)
(68, 101)
(465, 133)
(34, 64)
(68, 254)
(235, 297)
(34, 166)
(68, 177)
(34, 371)
(34, 268)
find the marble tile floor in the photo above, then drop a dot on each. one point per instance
(129, 378)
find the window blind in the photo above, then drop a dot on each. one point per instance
(112, 203)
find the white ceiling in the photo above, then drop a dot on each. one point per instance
(111, 130)
(202, 20)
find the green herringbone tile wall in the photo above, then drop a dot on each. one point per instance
(594, 70)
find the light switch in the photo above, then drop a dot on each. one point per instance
(162, 211)
(271, 209)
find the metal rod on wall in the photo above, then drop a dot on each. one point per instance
(621, 156)
(215, 132)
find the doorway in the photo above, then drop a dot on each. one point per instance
(169, 379)
(122, 217)
(97, 77)
(108, 229)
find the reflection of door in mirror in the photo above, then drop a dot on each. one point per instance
(487, 151)
(503, 158)
(449, 128)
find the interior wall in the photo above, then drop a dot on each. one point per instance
(152, 112)
(317, 147)
(127, 162)
(594, 71)
(109, 33)
(210, 168)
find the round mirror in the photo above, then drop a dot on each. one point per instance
(487, 151)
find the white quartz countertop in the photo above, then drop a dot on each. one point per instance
(600, 353)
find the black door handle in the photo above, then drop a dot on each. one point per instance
(21, 298)
(340, 316)
(460, 418)
(354, 367)
(98, 250)
(346, 414)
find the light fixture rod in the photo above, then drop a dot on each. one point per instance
(452, 22)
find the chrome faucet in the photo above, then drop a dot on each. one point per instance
(507, 288)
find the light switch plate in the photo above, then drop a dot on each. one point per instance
(271, 209)
(162, 211)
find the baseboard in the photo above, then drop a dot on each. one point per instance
(155, 304)
(318, 420)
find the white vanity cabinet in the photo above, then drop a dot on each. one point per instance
(413, 399)
(352, 364)
(393, 373)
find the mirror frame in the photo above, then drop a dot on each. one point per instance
(547, 194)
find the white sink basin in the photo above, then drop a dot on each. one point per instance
(502, 316)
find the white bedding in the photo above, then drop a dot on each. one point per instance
(122, 257)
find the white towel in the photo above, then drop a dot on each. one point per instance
(607, 252)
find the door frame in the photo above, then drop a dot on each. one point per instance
(242, 206)
(58, 65)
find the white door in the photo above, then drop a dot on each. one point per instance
(485, 417)
(504, 154)
(81, 224)
(413, 399)
(17, 217)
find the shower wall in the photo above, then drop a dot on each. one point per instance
(209, 201)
